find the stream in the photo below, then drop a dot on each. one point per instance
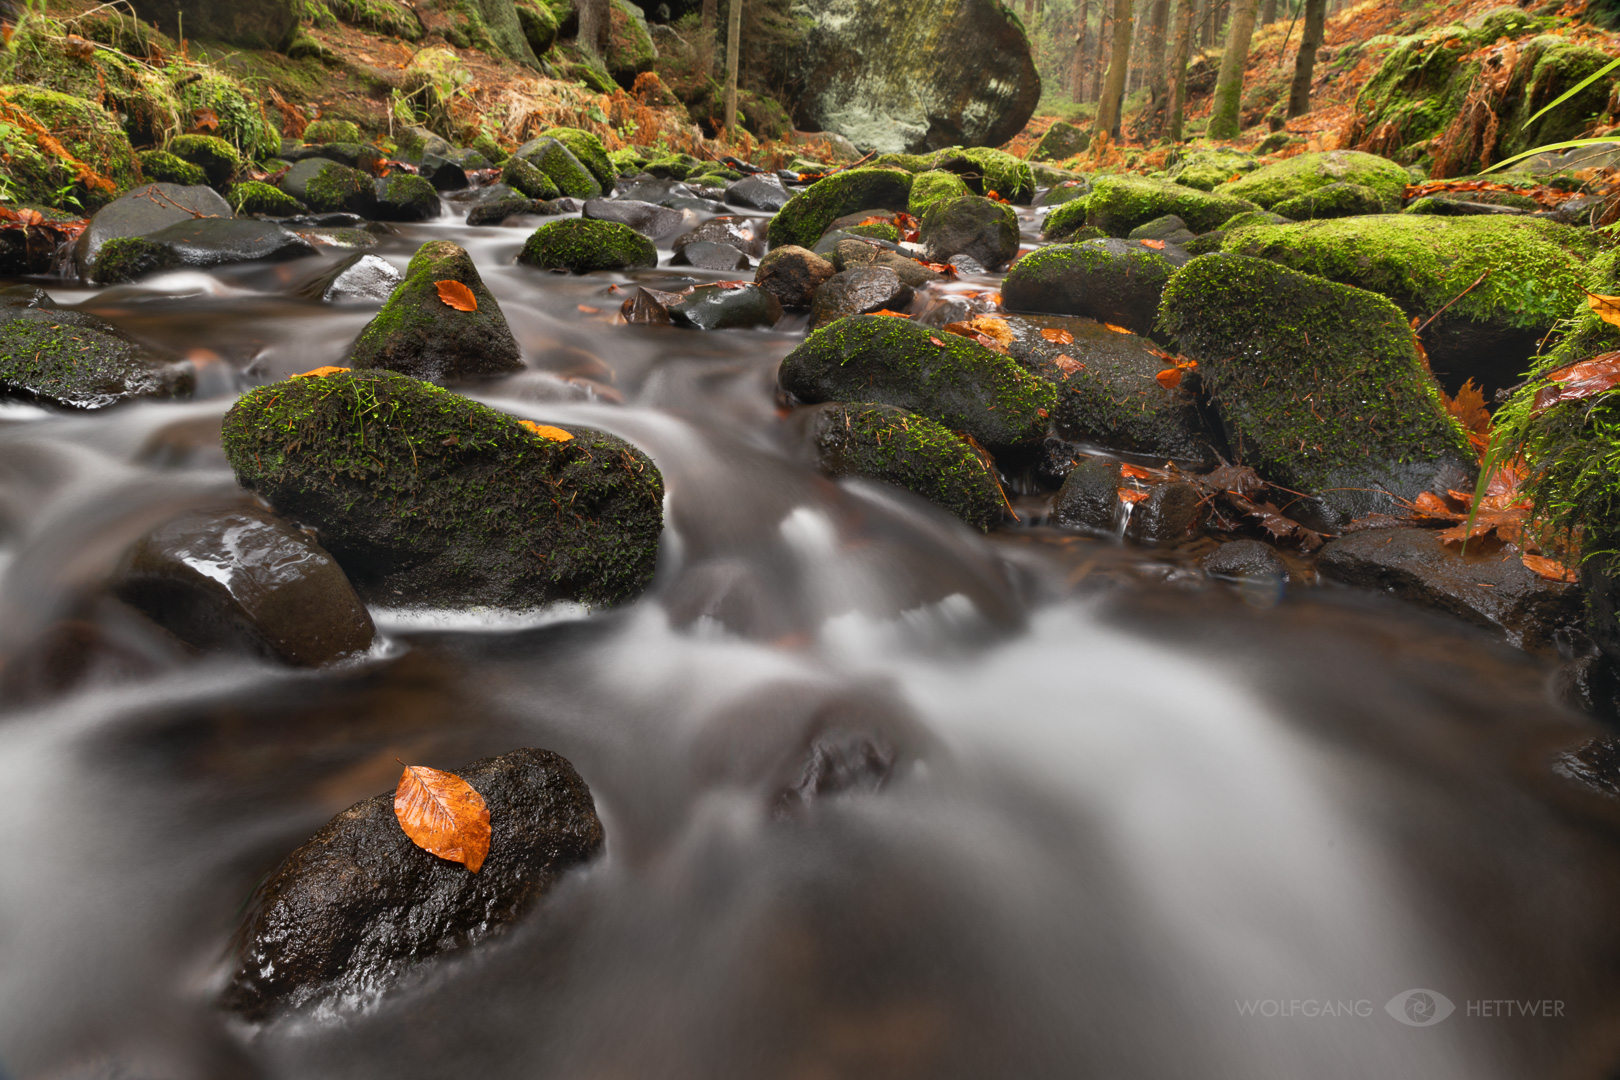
(1119, 820)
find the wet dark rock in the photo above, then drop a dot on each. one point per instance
(327, 186)
(528, 180)
(1170, 514)
(983, 229)
(240, 579)
(648, 307)
(359, 903)
(581, 246)
(736, 231)
(141, 212)
(897, 447)
(185, 444)
(759, 192)
(707, 255)
(650, 220)
(723, 307)
(1245, 559)
(497, 211)
(827, 246)
(1089, 497)
(403, 197)
(358, 279)
(1169, 228)
(947, 378)
(427, 498)
(792, 275)
(31, 250)
(75, 360)
(202, 242)
(442, 173)
(1112, 281)
(856, 253)
(418, 334)
(857, 292)
(966, 264)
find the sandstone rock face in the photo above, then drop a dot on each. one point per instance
(917, 76)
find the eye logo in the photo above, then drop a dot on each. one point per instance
(1420, 1008)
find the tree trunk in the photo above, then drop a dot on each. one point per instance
(1077, 80)
(1155, 66)
(594, 26)
(711, 16)
(733, 40)
(1178, 67)
(1299, 96)
(1113, 93)
(1097, 59)
(1268, 12)
(1228, 97)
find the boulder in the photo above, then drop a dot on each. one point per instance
(588, 150)
(403, 197)
(1333, 201)
(429, 499)
(983, 229)
(571, 175)
(326, 187)
(809, 213)
(253, 197)
(331, 131)
(74, 360)
(793, 274)
(760, 192)
(240, 579)
(1061, 140)
(881, 442)
(723, 307)
(67, 129)
(1170, 514)
(970, 78)
(708, 255)
(1251, 560)
(1305, 173)
(162, 166)
(1089, 498)
(527, 179)
(932, 186)
(358, 279)
(736, 231)
(218, 159)
(1318, 385)
(851, 254)
(1207, 170)
(252, 24)
(1169, 228)
(1112, 281)
(651, 221)
(580, 246)
(985, 170)
(497, 211)
(418, 334)
(857, 292)
(1488, 585)
(947, 378)
(199, 242)
(1118, 204)
(359, 903)
(142, 211)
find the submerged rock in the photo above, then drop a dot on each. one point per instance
(793, 274)
(809, 213)
(427, 498)
(723, 307)
(1112, 281)
(357, 904)
(239, 578)
(1245, 560)
(947, 378)
(418, 334)
(708, 255)
(74, 360)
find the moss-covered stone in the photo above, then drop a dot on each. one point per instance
(217, 158)
(1066, 219)
(1318, 385)
(930, 187)
(539, 26)
(1305, 173)
(1118, 204)
(62, 358)
(130, 258)
(1061, 140)
(255, 197)
(1535, 273)
(807, 215)
(403, 197)
(1584, 334)
(554, 159)
(160, 166)
(327, 187)
(982, 229)
(427, 498)
(580, 245)
(239, 112)
(986, 169)
(139, 95)
(1334, 201)
(524, 178)
(1066, 191)
(590, 152)
(36, 170)
(881, 442)
(387, 17)
(417, 333)
(630, 49)
(1207, 170)
(672, 166)
(947, 378)
(1113, 281)
(332, 131)
(877, 230)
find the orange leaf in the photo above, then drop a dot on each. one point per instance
(457, 295)
(1551, 569)
(442, 814)
(1058, 337)
(936, 341)
(1580, 380)
(586, 309)
(319, 372)
(546, 431)
(1115, 329)
(1606, 307)
(1156, 245)
(894, 314)
(1138, 472)
(1067, 364)
(1169, 378)
(1433, 505)
(1469, 408)
(1131, 495)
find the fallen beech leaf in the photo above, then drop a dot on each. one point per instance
(546, 431)
(1433, 505)
(1131, 495)
(993, 328)
(993, 298)
(319, 372)
(1580, 380)
(1139, 472)
(204, 120)
(1169, 378)
(1067, 364)
(1551, 569)
(1058, 337)
(1606, 307)
(1469, 409)
(1156, 245)
(586, 309)
(734, 284)
(1115, 329)
(936, 341)
(442, 814)
(456, 295)
(892, 314)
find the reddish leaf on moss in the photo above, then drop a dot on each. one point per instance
(1580, 380)
(456, 295)
(1058, 337)
(320, 372)
(1156, 245)
(892, 314)
(546, 431)
(442, 814)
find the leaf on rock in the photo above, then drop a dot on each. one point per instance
(546, 431)
(1551, 569)
(1058, 337)
(892, 314)
(320, 372)
(1156, 245)
(1169, 378)
(1115, 329)
(456, 295)
(1606, 307)
(442, 814)
(1579, 380)
(1067, 364)
(1131, 495)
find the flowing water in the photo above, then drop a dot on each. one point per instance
(1131, 823)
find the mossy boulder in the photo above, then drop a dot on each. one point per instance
(256, 197)
(332, 131)
(160, 166)
(388, 17)
(130, 258)
(947, 378)
(327, 187)
(1118, 204)
(1318, 386)
(1113, 281)
(403, 197)
(1305, 173)
(1066, 219)
(218, 159)
(581, 245)
(932, 186)
(630, 49)
(539, 26)
(427, 498)
(1061, 140)
(1585, 334)
(523, 177)
(1334, 201)
(808, 214)
(982, 229)
(1535, 273)
(553, 158)
(418, 334)
(37, 171)
(881, 442)
(985, 170)
(1207, 170)
(71, 360)
(239, 112)
(590, 152)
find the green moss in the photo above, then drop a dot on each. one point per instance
(484, 144)
(37, 173)
(807, 215)
(138, 95)
(1318, 384)
(1334, 201)
(909, 451)
(1207, 170)
(424, 496)
(553, 158)
(539, 26)
(628, 161)
(1061, 140)
(217, 158)
(254, 197)
(1118, 204)
(1066, 192)
(1066, 219)
(673, 166)
(240, 113)
(912, 163)
(160, 166)
(879, 230)
(47, 358)
(332, 131)
(380, 16)
(528, 180)
(931, 187)
(579, 245)
(416, 333)
(1113, 281)
(130, 258)
(986, 169)
(590, 152)
(340, 188)
(947, 378)
(1304, 173)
